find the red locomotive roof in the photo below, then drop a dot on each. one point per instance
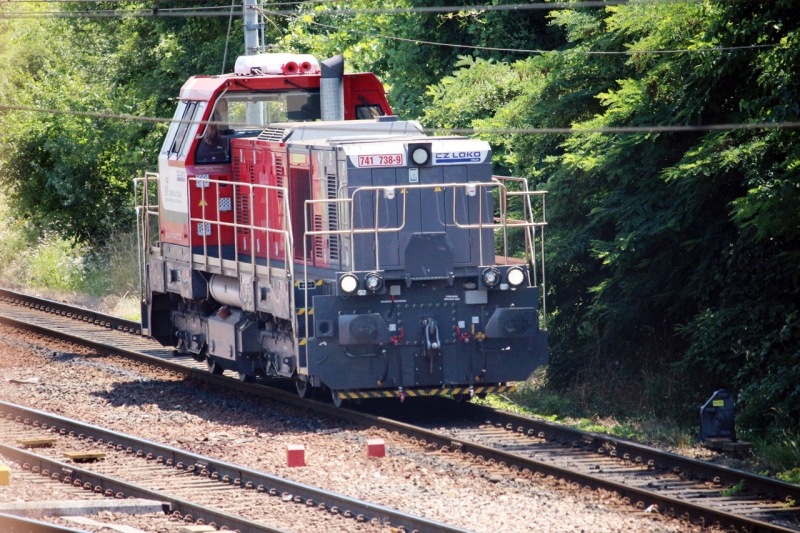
(204, 87)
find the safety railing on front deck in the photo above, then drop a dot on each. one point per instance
(528, 225)
(280, 194)
(501, 223)
(147, 209)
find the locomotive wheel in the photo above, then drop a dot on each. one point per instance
(200, 357)
(337, 401)
(246, 378)
(462, 398)
(304, 388)
(214, 367)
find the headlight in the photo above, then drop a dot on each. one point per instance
(420, 156)
(373, 281)
(516, 276)
(348, 283)
(491, 277)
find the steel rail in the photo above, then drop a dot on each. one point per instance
(10, 523)
(81, 476)
(361, 510)
(661, 460)
(671, 505)
(640, 497)
(64, 309)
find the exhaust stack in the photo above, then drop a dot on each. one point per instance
(331, 88)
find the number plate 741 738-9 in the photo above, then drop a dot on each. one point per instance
(380, 160)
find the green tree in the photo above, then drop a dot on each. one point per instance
(409, 66)
(681, 244)
(71, 173)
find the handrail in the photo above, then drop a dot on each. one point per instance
(375, 230)
(144, 212)
(283, 232)
(530, 238)
(470, 189)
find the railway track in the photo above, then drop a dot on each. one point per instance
(502, 444)
(195, 486)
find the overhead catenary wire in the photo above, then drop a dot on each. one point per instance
(227, 11)
(452, 131)
(543, 6)
(539, 6)
(210, 11)
(535, 50)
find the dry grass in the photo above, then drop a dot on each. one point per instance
(105, 279)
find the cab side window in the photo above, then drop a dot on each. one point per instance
(183, 129)
(212, 147)
(368, 111)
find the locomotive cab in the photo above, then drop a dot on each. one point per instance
(214, 110)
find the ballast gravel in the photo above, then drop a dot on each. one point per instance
(80, 383)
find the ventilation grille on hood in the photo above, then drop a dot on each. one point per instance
(274, 134)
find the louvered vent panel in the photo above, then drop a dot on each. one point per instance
(273, 134)
(242, 212)
(280, 181)
(333, 219)
(251, 174)
(243, 196)
(237, 168)
(319, 249)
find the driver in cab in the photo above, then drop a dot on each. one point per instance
(212, 148)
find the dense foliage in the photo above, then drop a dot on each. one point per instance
(674, 257)
(74, 173)
(678, 245)
(393, 44)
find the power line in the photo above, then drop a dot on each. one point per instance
(132, 2)
(451, 131)
(301, 2)
(534, 50)
(218, 11)
(89, 114)
(621, 129)
(435, 9)
(545, 6)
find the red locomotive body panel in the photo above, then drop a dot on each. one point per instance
(270, 163)
(260, 163)
(213, 203)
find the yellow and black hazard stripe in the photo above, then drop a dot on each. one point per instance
(310, 284)
(414, 393)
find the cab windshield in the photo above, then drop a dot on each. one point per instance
(242, 113)
(251, 111)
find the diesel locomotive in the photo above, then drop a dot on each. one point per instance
(296, 228)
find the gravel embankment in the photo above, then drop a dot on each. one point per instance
(112, 393)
